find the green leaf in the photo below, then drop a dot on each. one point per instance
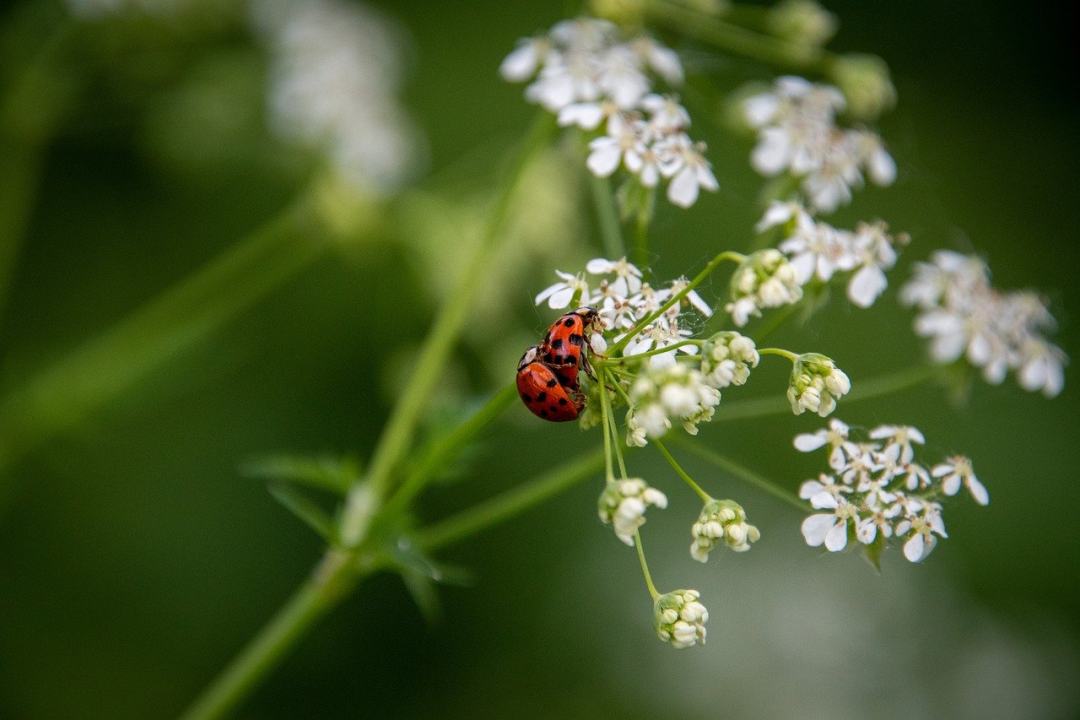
(423, 592)
(304, 508)
(873, 551)
(327, 473)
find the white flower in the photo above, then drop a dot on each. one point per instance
(560, 294)
(922, 530)
(623, 503)
(957, 470)
(816, 384)
(829, 529)
(836, 437)
(334, 77)
(680, 619)
(899, 439)
(684, 162)
(964, 316)
(765, 279)
(606, 152)
(523, 62)
(627, 276)
(727, 359)
(662, 394)
(824, 492)
(721, 521)
(873, 250)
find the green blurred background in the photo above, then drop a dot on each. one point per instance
(135, 559)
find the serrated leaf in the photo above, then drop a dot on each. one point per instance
(304, 508)
(327, 473)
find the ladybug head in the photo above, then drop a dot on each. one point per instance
(529, 357)
(590, 317)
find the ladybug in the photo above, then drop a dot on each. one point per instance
(541, 391)
(564, 348)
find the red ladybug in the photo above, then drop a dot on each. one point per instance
(541, 391)
(564, 348)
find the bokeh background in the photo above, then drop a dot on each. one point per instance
(135, 558)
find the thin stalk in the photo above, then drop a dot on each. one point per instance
(645, 566)
(641, 356)
(745, 474)
(781, 352)
(431, 359)
(705, 497)
(438, 453)
(734, 39)
(605, 412)
(113, 362)
(607, 217)
(861, 390)
(327, 585)
(610, 424)
(510, 503)
(677, 297)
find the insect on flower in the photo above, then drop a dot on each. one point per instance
(565, 348)
(541, 391)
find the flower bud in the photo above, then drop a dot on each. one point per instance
(721, 521)
(816, 384)
(803, 22)
(680, 619)
(623, 504)
(866, 84)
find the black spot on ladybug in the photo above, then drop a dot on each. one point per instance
(543, 413)
(552, 382)
(556, 343)
(526, 398)
(541, 397)
(568, 322)
(576, 339)
(562, 401)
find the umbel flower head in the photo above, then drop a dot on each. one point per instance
(727, 358)
(721, 521)
(877, 490)
(765, 279)
(660, 395)
(623, 503)
(816, 384)
(680, 619)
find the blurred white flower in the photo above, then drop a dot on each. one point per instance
(957, 470)
(765, 279)
(335, 72)
(727, 359)
(623, 503)
(816, 384)
(680, 619)
(965, 317)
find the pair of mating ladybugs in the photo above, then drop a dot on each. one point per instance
(547, 375)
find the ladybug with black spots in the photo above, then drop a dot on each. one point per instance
(542, 392)
(565, 347)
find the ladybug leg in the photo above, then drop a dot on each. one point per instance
(587, 366)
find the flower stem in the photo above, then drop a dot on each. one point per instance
(744, 474)
(734, 39)
(610, 424)
(705, 497)
(431, 359)
(115, 361)
(607, 217)
(641, 356)
(779, 351)
(645, 566)
(508, 504)
(862, 390)
(439, 452)
(730, 255)
(605, 412)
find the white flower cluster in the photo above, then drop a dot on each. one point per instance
(623, 503)
(659, 394)
(816, 384)
(721, 521)
(587, 74)
(765, 279)
(615, 289)
(817, 250)
(797, 133)
(335, 76)
(878, 491)
(964, 316)
(727, 358)
(680, 619)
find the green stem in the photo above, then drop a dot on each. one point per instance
(641, 228)
(113, 362)
(626, 359)
(744, 474)
(332, 579)
(605, 412)
(609, 422)
(431, 360)
(677, 297)
(734, 39)
(862, 390)
(780, 352)
(705, 497)
(442, 450)
(645, 566)
(607, 217)
(510, 503)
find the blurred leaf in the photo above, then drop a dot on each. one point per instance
(409, 557)
(327, 473)
(306, 509)
(423, 592)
